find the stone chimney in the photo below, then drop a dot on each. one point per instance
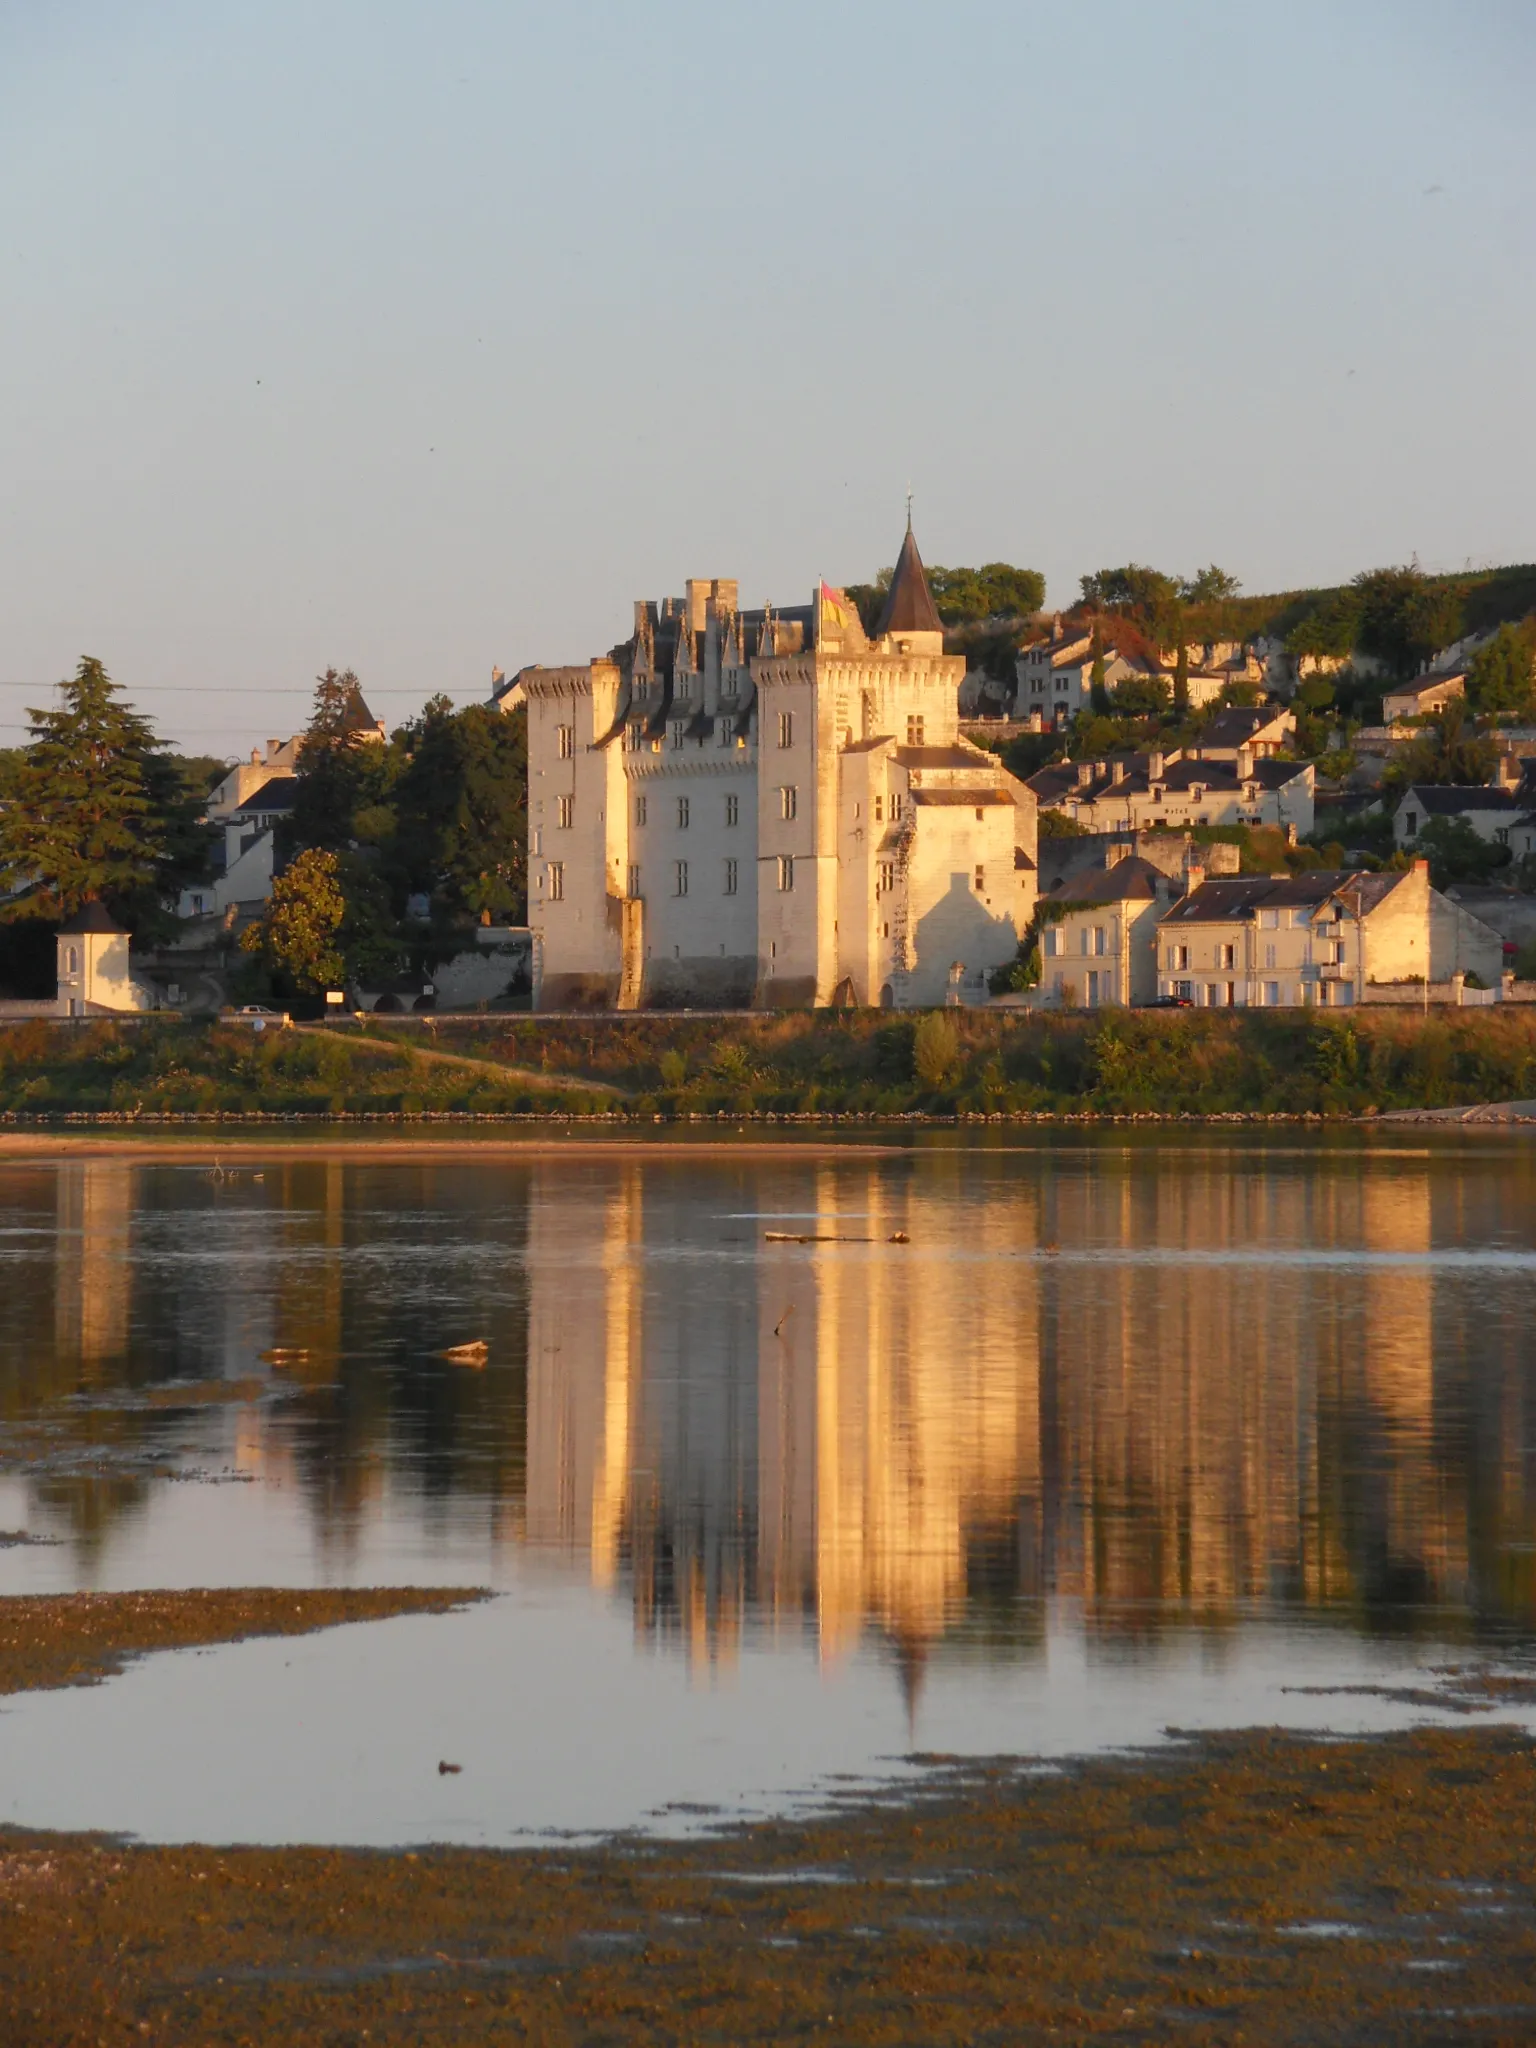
(1194, 873)
(1155, 765)
(1244, 762)
(1085, 772)
(255, 757)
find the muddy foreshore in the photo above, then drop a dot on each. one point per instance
(1249, 1888)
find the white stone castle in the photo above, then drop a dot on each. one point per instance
(771, 809)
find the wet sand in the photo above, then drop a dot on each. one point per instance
(1249, 1888)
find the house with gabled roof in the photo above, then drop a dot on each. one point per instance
(1320, 938)
(1098, 941)
(1492, 811)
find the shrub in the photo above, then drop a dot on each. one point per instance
(935, 1049)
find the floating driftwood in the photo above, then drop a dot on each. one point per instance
(833, 1237)
(467, 1354)
(284, 1354)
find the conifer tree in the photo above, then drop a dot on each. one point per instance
(83, 823)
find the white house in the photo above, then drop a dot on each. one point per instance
(1423, 695)
(1495, 814)
(94, 975)
(1099, 945)
(1055, 677)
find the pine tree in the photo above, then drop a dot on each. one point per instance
(83, 823)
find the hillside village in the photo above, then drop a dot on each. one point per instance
(925, 791)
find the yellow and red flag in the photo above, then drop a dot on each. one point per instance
(835, 608)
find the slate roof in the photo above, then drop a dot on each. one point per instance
(1232, 899)
(978, 797)
(1054, 784)
(909, 607)
(946, 757)
(1237, 725)
(1444, 800)
(93, 917)
(1132, 880)
(275, 794)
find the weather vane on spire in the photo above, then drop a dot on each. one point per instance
(909, 508)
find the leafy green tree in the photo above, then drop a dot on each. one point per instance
(299, 937)
(935, 1049)
(1500, 678)
(1406, 616)
(1098, 695)
(1449, 749)
(340, 770)
(1329, 627)
(997, 590)
(1210, 586)
(1457, 852)
(98, 812)
(1140, 697)
(461, 812)
(1135, 590)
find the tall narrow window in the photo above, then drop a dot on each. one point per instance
(786, 728)
(879, 809)
(566, 739)
(557, 881)
(682, 812)
(915, 731)
(680, 878)
(733, 810)
(787, 801)
(677, 732)
(786, 871)
(885, 877)
(730, 878)
(639, 810)
(565, 807)
(981, 880)
(634, 878)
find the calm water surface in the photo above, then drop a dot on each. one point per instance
(1127, 1435)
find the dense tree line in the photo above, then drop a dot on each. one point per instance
(395, 847)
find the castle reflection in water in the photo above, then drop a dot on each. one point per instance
(1165, 1383)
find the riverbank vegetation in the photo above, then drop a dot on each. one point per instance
(861, 1063)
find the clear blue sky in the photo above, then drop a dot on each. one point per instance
(422, 337)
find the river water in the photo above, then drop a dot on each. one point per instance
(1045, 1444)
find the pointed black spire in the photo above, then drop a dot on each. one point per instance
(909, 608)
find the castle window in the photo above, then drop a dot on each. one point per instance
(730, 878)
(981, 878)
(915, 731)
(885, 877)
(565, 740)
(565, 807)
(787, 801)
(639, 810)
(786, 728)
(680, 878)
(733, 810)
(677, 732)
(786, 871)
(634, 878)
(557, 881)
(682, 813)
(879, 809)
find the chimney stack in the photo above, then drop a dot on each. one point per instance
(1244, 762)
(1155, 765)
